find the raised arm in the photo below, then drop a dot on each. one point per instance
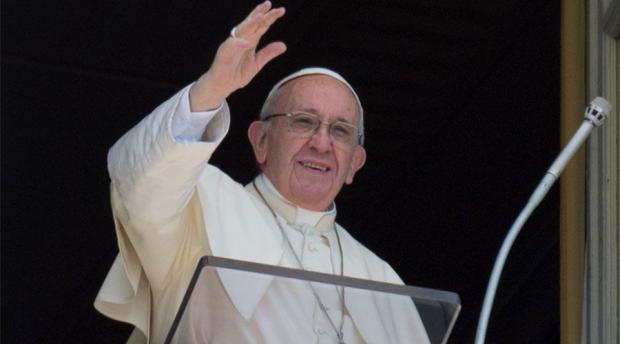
(153, 174)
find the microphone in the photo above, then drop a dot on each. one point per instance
(596, 112)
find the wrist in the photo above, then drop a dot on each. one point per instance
(204, 95)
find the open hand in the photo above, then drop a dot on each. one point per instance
(237, 61)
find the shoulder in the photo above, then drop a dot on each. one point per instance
(215, 179)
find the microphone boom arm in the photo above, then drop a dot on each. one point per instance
(596, 112)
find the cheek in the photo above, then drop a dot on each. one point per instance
(346, 167)
(344, 164)
(282, 154)
(293, 148)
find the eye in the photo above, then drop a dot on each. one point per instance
(341, 130)
(303, 121)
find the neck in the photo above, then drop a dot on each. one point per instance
(322, 221)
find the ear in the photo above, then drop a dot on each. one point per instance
(357, 161)
(258, 140)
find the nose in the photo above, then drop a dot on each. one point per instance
(321, 140)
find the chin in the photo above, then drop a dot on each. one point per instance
(313, 199)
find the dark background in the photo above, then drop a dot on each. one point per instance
(462, 101)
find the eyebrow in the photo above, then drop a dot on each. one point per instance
(315, 112)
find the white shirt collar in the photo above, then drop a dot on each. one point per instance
(300, 216)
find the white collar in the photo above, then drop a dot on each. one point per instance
(295, 215)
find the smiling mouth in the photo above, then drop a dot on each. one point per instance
(314, 166)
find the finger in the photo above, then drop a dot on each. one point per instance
(268, 19)
(261, 8)
(265, 23)
(268, 53)
(235, 47)
(249, 23)
(248, 26)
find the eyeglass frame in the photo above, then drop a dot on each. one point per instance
(290, 115)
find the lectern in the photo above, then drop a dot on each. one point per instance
(232, 301)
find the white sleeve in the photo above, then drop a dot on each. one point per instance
(154, 177)
(189, 126)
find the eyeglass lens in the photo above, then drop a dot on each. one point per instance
(305, 123)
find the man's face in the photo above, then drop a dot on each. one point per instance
(309, 171)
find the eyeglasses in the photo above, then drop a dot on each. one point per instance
(306, 124)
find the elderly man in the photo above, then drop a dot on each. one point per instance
(171, 207)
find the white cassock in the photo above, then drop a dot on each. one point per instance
(171, 208)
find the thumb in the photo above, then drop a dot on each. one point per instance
(268, 53)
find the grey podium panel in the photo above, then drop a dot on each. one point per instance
(231, 301)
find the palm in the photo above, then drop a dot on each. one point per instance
(237, 61)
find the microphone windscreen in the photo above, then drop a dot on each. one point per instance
(598, 110)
